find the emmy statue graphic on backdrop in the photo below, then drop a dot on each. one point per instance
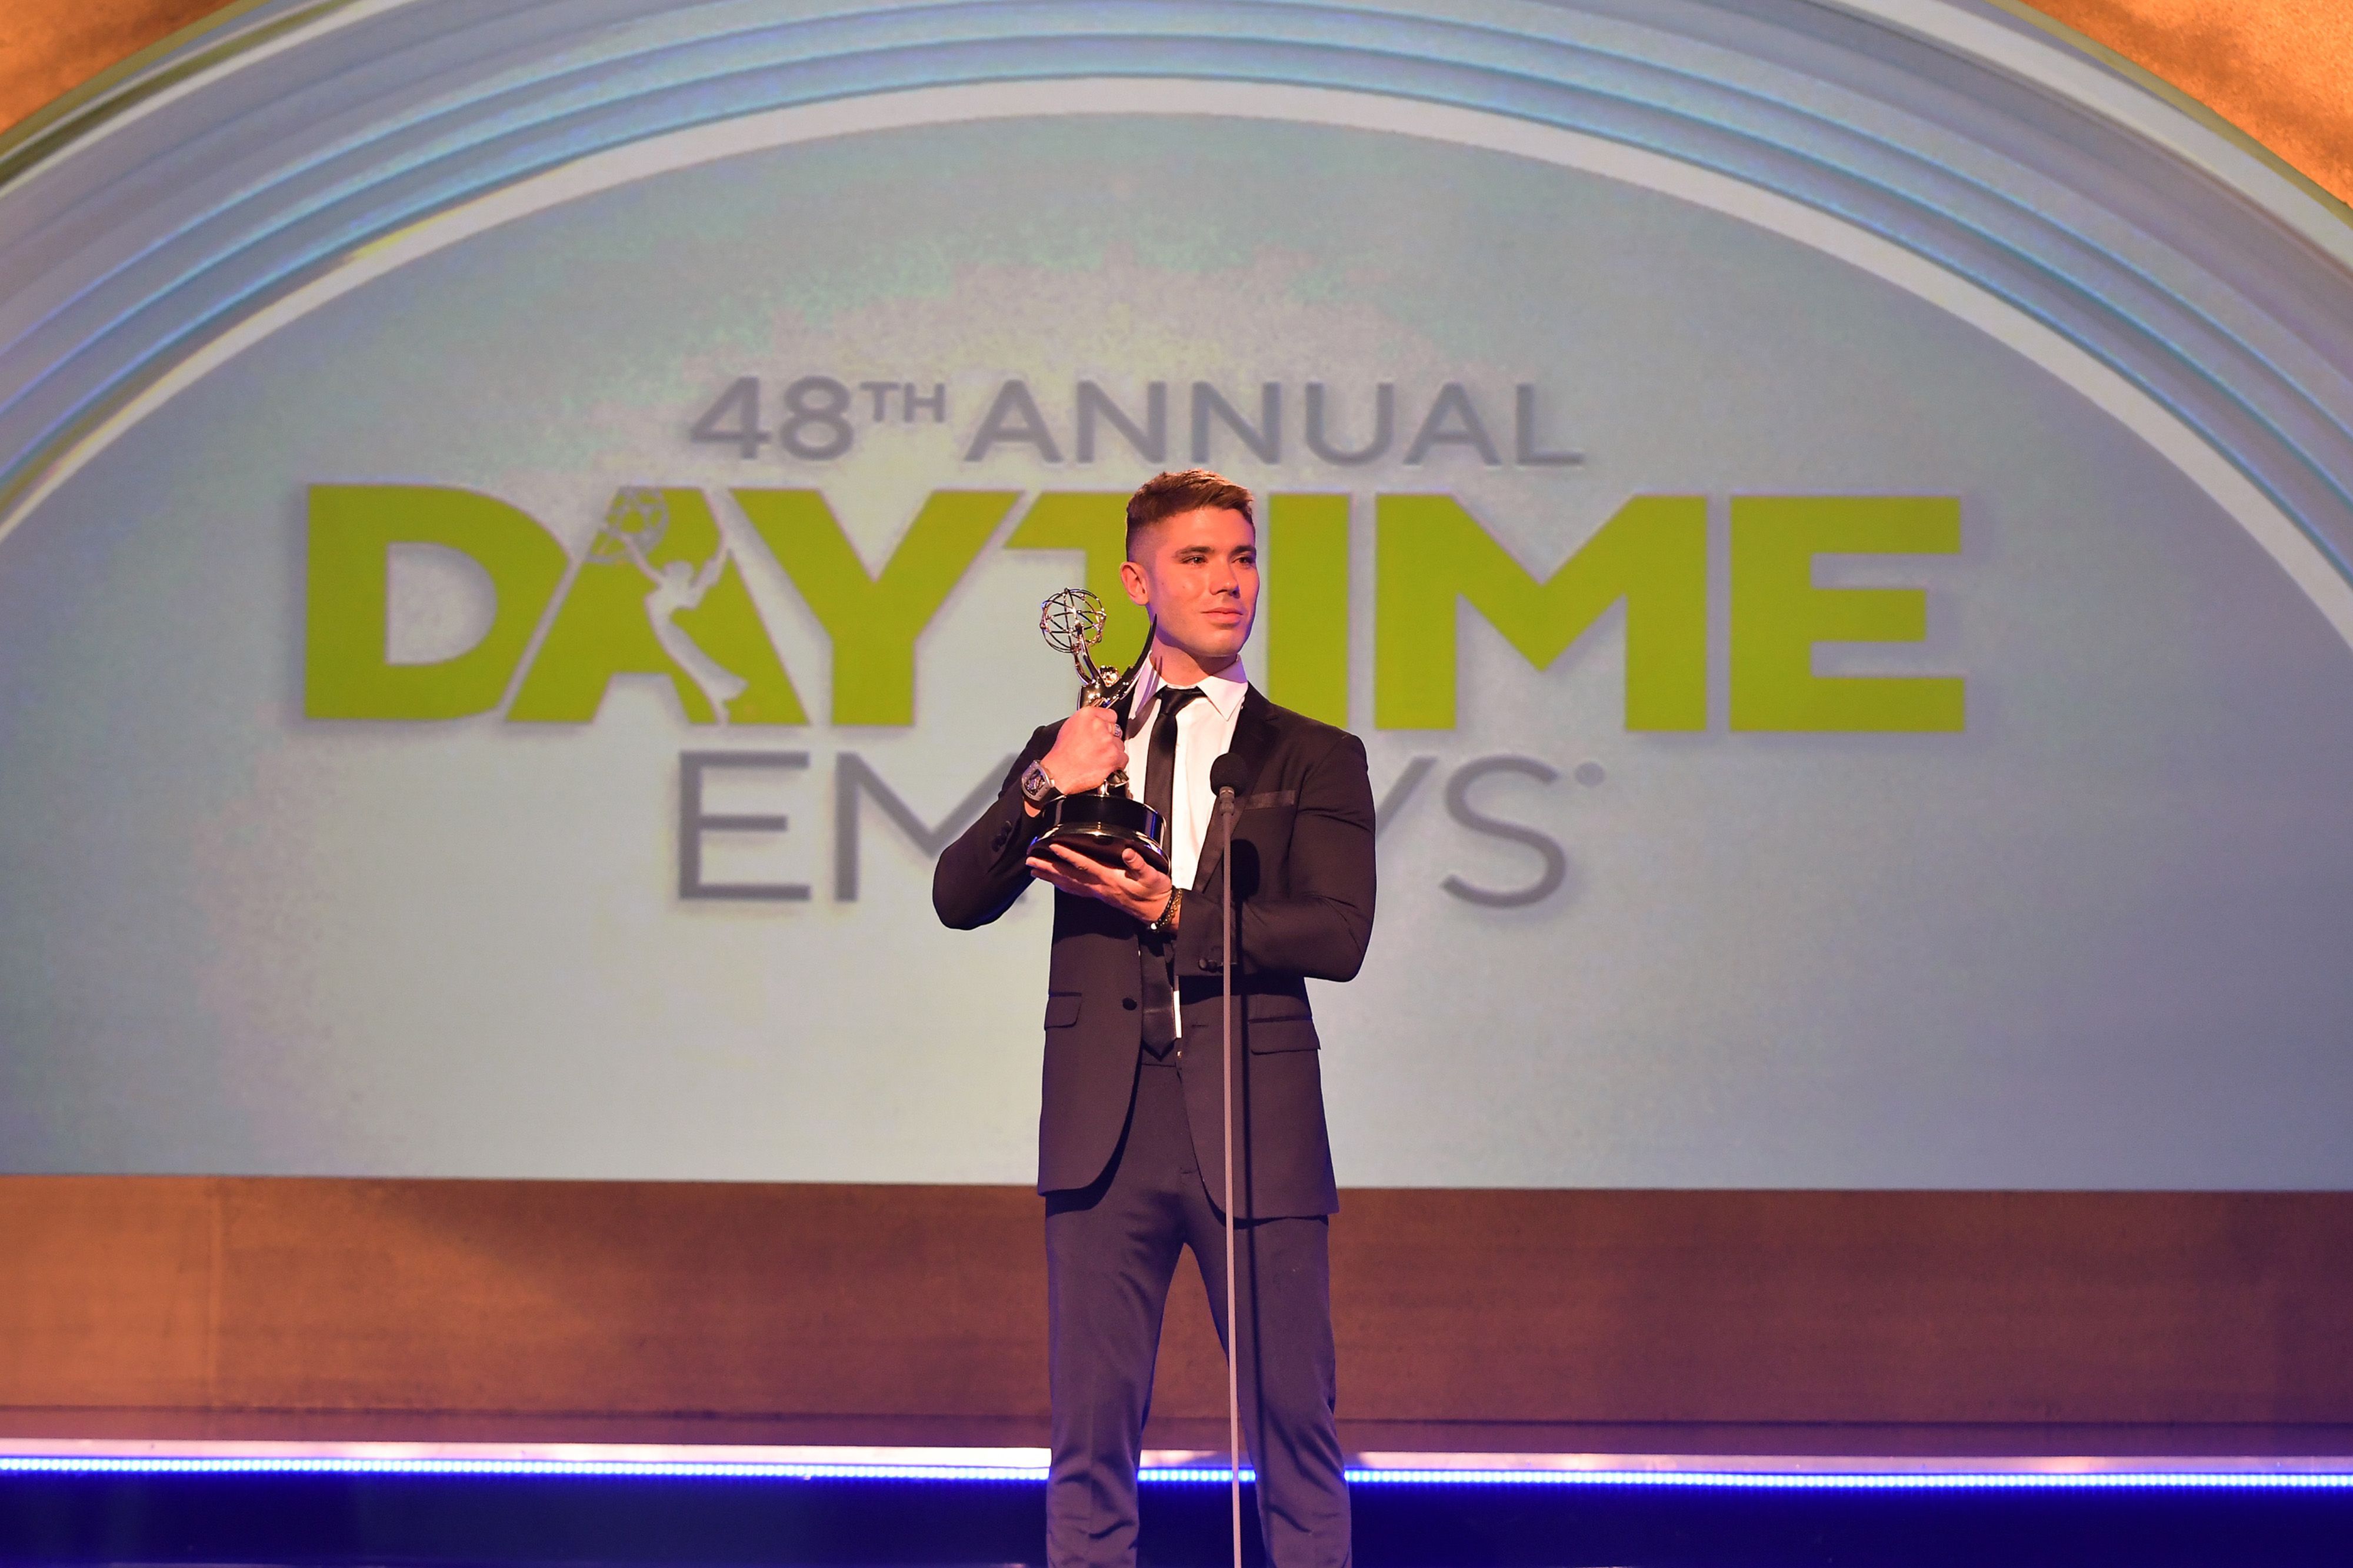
(633, 529)
(1104, 822)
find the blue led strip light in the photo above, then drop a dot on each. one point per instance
(1745, 1481)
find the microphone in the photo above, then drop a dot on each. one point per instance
(1225, 777)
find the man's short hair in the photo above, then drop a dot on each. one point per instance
(1189, 489)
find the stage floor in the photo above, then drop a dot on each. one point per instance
(549, 1493)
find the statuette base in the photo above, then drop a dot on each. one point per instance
(1104, 827)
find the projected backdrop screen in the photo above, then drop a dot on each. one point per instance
(499, 722)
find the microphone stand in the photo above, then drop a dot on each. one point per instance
(1226, 810)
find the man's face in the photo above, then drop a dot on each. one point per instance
(1198, 570)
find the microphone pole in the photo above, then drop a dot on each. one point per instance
(1226, 810)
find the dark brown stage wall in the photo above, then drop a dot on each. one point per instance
(1534, 1319)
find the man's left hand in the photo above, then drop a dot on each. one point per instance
(1133, 886)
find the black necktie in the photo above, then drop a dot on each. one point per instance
(1159, 788)
(1160, 760)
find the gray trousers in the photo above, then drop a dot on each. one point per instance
(1111, 1250)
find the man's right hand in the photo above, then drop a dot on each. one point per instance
(1087, 750)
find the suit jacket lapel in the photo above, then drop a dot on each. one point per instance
(1254, 736)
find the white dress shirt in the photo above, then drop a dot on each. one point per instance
(1205, 729)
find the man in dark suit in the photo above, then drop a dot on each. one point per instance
(1131, 1137)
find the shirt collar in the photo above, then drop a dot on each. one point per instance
(1224, 691)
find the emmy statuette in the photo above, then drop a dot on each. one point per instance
(1104, 822)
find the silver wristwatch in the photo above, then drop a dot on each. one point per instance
(1037, 784)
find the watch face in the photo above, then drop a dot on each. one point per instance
(1035, 783)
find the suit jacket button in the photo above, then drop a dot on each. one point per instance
(1128, 1003)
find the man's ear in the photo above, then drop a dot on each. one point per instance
(1138, 586)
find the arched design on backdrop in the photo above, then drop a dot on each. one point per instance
(301, 135)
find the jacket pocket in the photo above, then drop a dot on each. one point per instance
(1291, 1031)
(1273, 1007)
(1062, 1009)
